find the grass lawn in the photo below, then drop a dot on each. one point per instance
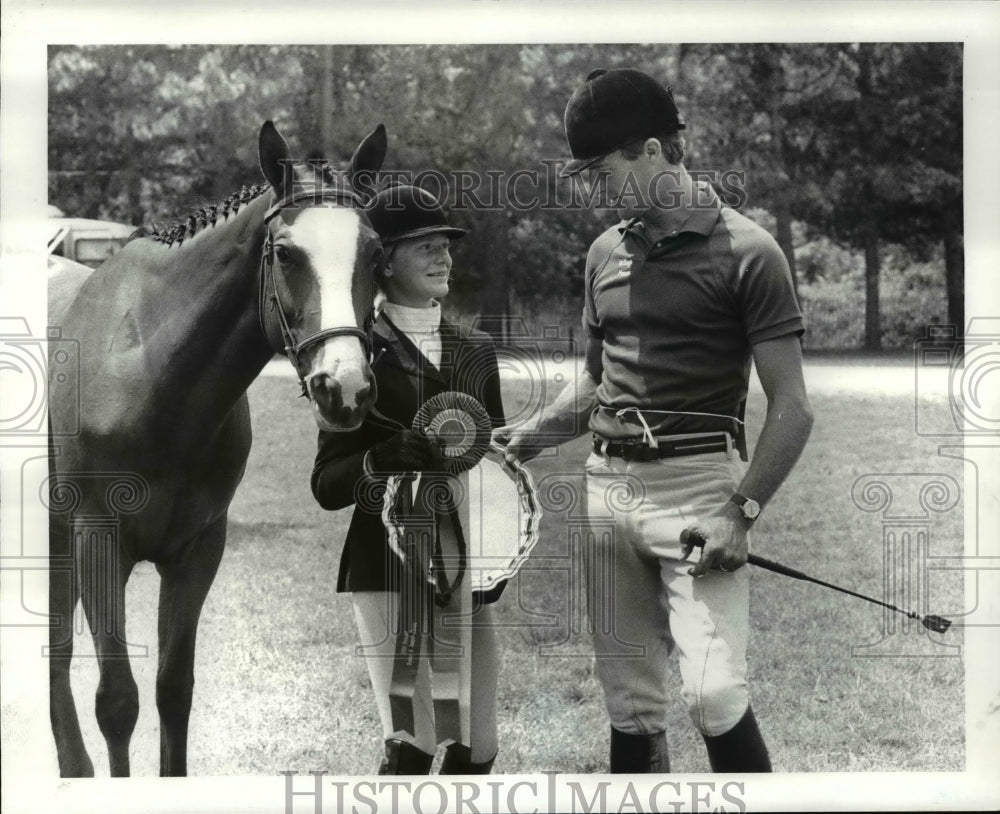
(280, 688)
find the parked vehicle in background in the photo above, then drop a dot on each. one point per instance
(85, 240)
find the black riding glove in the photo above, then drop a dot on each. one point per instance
(407, 451)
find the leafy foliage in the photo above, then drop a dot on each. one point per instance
(840, 141)
(832, 296)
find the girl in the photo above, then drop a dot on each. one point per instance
(417, 355)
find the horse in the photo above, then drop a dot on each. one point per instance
(150, 426)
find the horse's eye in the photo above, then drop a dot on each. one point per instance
(282, 253)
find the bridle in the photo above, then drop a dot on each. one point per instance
(268, 297)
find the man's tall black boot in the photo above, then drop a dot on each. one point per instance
(739, 750)
(638, 754)
(402, 757)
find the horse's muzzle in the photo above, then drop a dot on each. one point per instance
(342, 403)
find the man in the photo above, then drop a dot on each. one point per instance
(680, 296)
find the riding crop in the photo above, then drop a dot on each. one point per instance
(936, 623)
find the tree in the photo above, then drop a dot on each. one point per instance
(748, 109)
(859, 143)
(927, 137)
(891, 149)
(135, 132)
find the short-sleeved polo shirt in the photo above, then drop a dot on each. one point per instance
(677, 319)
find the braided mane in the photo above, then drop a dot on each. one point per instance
(208, 216)
(201, 218)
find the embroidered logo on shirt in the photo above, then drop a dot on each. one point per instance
(625, 265)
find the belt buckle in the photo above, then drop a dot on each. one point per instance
(601, 448)
(683, 447)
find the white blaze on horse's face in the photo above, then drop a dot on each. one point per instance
(331, 250)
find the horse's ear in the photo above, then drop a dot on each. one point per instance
(274, 157)
(367, 160)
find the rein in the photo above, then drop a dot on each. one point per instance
(268, 292)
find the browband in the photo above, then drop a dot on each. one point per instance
(342, 197)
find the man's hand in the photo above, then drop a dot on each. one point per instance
(723, 539)
(520, 443)
(563, 420)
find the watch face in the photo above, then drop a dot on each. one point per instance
(751, 509)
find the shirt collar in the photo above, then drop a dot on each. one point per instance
(705, 213)
(415, 320)
(701, 217)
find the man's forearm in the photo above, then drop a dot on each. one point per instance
(567, 416)
(782, 439)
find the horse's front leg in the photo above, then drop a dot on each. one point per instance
(183, 588)
(104, 570)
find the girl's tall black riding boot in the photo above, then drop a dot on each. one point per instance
(458, 760)
(402, 757)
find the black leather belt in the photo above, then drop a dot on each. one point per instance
(666, 448)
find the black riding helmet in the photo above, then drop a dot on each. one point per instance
(400, 212)
(611, 108)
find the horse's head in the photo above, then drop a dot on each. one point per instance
(318, 275)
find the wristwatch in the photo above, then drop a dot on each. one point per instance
(749, 506)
